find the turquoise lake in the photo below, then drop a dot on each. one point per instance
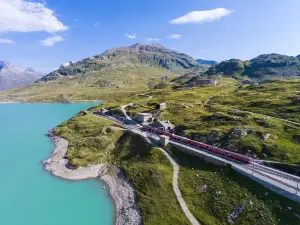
(28, 194)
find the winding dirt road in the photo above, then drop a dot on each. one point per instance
(176, 189)
(179, 197)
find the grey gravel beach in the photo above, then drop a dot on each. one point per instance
(121, 190)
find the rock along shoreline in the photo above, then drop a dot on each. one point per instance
(121, 191)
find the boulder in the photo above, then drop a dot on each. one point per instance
(266, 136)
(239, 132)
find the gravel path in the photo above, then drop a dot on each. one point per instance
(179, 197)
(123, 107)
(176, 189)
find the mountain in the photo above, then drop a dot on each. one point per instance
(128, 69)
(206, 62)
(262, 67)
(139, 54)
(12, 76)
(232, 67)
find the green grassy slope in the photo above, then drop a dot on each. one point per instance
(93, 140)
(226, 191)
(267, 66)
(211, 115)
(119, 82)
(115, 73)
(151, 174)
(274, 98)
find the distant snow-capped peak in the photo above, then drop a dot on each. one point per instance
(11, 76)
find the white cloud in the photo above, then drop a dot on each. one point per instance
(28, 16)
(152, 39)
(131, 36)
(198, 17)
(51, 41)
(96, 24)
(174, 36)
(6, 41)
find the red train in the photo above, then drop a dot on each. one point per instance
(215, 150)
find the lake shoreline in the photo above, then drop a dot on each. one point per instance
(121, 191)
(52, 102)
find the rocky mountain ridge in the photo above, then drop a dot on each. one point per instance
(266, 66)
(136, 55)
(11, 76)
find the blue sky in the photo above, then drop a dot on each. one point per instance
(82, 28)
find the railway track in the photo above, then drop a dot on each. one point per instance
(282, 178)
(294, 186)
(277, 176)
(277, 173)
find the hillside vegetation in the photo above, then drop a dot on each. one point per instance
(267, 66)
(151, 174)
(95, 140)
(121, 72)
(91, 139)
(108, 84)
(215, 193)
(221, 115)
(151, 55)
(115, 73)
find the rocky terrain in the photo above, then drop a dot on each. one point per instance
(12, 76)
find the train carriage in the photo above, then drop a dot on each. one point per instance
(215, 150)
